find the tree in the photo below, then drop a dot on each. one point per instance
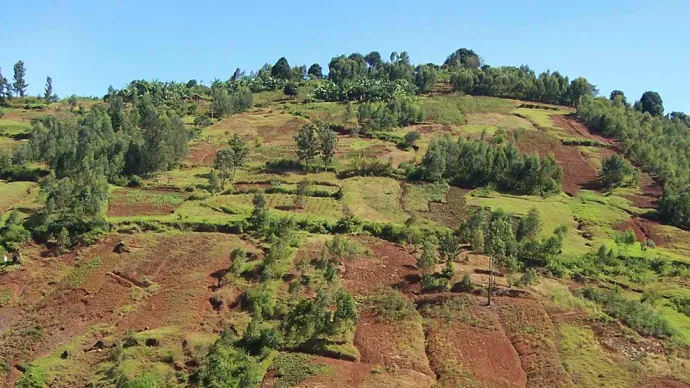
(449, 246)
(411, 138)
(373, 59)
(302, 191)
(221, 104)
(213, 181)
(425, 78)
(227, 366)
(48, 94)
(281, 69)
(225, 164)
(651, 103)
(618, 94)
(5, 89)
(291, 89)
(237, 74)
(616, 171)
(20, 84)
(315, 71)
(237, 259)
(64, 241)
(72, 101)
(259, 217)
(529, 226)
(307, 144)
(427, 260)
(580, 87)
(328, 142)
(240, 150)
(462, 57)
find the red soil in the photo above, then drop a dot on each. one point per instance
(577, 129)
(473, 352)
(531, 331)
(120, 206)
(577, 173)
(644, 229)
(391, 344)
(388, 266)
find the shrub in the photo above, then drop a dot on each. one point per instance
(640, 316)
(393, 305)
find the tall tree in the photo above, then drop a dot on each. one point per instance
(221, 104)
(425, 78)
(237, 74)
(281, 69)
(240, 150)
(20, 84)
(651, 103)
(225, 164)
(307, 144)
(616, 93)
(48, 94)
(373, 59)
(328, 141)
(315, 71)
(4, 89)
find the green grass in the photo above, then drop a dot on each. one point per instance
(541, 117)
(442, 109)
(452, 108)
(76, 277)
(374, 199)
(553, 211)
(143, 196)
(587, 363)
(417, 197)
(481, 104)
(293, 368)
(499, 120)
(12, 128)
(281, 204)
(13, 193)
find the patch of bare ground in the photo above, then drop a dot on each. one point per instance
(466, 345)
(172, 274)
(392, 344)
(389, 265)
(451, 212)
(345, 374)
(577, 173)
(576, 128)
(644, 229)
(665, 383)
(531, 332)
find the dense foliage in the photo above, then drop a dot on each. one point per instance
(521, 83)
(660, 145)
(476, 163)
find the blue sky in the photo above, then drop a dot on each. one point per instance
(86, 46)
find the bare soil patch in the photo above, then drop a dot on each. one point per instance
(392, 344)
(531, 332)
(576, 128)
(347, 374)
(577, 173)
(471, 349)
(389, 265)
(121, 205)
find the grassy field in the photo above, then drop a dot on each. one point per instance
(376, 199)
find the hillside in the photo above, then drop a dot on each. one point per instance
(369, 266)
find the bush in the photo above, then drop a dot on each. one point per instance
(640, 316)
(464, 285)
(393, 305)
